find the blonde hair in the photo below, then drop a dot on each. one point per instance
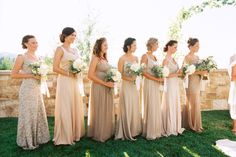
(150, 43)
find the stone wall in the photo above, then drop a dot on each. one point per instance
(214, 97)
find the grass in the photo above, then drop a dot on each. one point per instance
(217, 125)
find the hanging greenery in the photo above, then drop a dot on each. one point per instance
(187, 13)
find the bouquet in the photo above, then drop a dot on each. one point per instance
(160, 71)
(207, 64)
(76, 66)
(113, 76)
(135, 69)
(188, 69)
(41, 69)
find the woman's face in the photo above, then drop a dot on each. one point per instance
(104, 47)
(155, 46)
(195, 47)
(133, 47)
(32, 44)
(71, 38)
(173, 48)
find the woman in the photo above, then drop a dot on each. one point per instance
(232, 92)
(193, 119)
(129, 116)
(32, 120)
(152, 121)
(101, 120)
(171, 109)
(69, 116)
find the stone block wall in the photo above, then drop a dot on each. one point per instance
(214, 97)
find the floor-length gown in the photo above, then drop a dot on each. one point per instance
(69, 116)
(101, 120)
(152, 119)
(32, 120)
(193, 104)
(171, 109)
(129, 116)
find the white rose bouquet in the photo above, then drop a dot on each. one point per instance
(160, 71)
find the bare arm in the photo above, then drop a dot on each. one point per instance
(92, 75)
(147, 75)
(56, 64)
(15, 73)
(120, 68)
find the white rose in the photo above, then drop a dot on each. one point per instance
(135, 67)
(77, 64)
(43, 70)
(191, 69)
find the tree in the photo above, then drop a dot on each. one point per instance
(87, 37)
(6, 63)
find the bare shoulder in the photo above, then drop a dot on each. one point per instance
(20, 57)
(59, 51)
(122, 58)
(95, 58)
(165, 61)
(144, 56)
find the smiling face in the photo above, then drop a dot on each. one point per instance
(32, 44)
(71, 38)
(132, 47)
(195, 47)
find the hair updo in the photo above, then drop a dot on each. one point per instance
(150, 43)
(192, 42)
(65, 33)
(128, 42)
(170, 43)
(25, 39)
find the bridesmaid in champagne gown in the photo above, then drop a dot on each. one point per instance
(129, 116)
(193, 119)
(32, 120)
(101, 117)
(171, 109)
(152, 121)
(69, 116)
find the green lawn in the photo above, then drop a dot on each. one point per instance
(217, 125)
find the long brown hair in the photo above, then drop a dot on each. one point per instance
(97, 48)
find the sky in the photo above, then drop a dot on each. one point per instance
(116, 20)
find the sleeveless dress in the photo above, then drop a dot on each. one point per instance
(69, 116)
(129, 122)
(32, 120)
(171, 109)
(101, 117)
(152, 119)
(193, 107)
